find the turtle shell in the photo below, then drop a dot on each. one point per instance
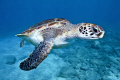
(53, 23)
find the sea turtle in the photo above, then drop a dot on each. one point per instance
(54, 32)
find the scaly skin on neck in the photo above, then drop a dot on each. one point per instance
(73, 31)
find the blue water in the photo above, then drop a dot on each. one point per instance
(85, 60)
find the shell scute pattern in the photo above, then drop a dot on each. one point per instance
(52, 24)
(58, 22)
(42, 23)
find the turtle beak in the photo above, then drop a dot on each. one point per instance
(101, 34)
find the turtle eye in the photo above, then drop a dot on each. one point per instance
(95, 30)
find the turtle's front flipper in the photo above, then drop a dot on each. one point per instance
(37, 56)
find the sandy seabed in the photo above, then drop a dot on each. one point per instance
(83, 60)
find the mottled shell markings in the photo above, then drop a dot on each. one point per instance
(58, 22)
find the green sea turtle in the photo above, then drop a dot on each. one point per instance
(54, 32)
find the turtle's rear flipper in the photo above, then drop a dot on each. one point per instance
(22, 43)
(37, 56)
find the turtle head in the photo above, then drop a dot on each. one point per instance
(90, 31)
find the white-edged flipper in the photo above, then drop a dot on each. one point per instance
(37, 56)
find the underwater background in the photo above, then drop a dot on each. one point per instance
(83, 60)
